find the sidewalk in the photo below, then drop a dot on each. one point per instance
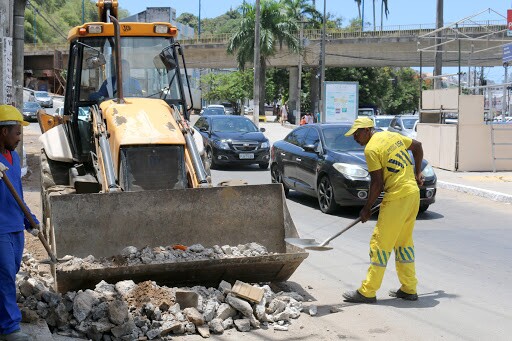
(495, 186)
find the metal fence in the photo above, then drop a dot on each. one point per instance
(331, 34)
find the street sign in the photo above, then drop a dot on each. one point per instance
(509, 23)
(507, 53)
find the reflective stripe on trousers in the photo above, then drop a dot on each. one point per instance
(393, 232)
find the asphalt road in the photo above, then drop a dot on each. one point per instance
(463, 253)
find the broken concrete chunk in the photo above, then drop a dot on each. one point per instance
(194, 316)
(187, 299)
(228, 323)
(82, 306)
(225, 311)
(281, 328)
(129, 250)
(242, 306)
(210, 309)
(242, 325)
(204, 331)
(216, 326)
(118, 312)
(313, 310)
(227, 250)
(196, 248)
(225, 287)
(125, 287)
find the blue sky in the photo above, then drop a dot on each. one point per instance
(401, 12)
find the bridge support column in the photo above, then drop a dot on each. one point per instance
(293, 93)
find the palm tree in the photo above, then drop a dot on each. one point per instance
(300, 10)
(383, 10)
(359, 8)
(275, 28)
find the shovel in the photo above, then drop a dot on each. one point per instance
(24, 208)
(311, 244)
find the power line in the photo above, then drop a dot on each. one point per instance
(55, 27)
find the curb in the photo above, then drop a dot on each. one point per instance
(484, 193)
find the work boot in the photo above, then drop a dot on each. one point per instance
(356, 297)
(17, 335)
(403, 295)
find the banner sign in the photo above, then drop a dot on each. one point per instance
(341, 101)
(507, 53)
(509, 23)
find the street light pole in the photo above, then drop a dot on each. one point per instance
(257, 66)
(322, 67)
(299, 82)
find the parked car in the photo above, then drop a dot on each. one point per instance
(320, 161)
(213, 111)
(30, 110)
(382, 121)
(41, 97)
(366, 112)
(233, 140)
(404, 125)
(217, 106)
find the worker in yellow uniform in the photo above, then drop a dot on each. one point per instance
(393, 171)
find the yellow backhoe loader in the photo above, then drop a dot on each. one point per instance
(121, 167)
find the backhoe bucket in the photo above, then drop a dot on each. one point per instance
(104, 224)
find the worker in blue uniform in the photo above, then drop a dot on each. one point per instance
(12, 224)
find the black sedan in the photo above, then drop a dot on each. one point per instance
(30, 110)
(233, 140)
(319, 160)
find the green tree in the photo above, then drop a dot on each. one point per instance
(234, 87)
(54, 18)
(276, 29)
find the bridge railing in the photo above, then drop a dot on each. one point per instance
(331, 34)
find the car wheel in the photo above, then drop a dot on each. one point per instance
(211, 160)
(263, 165)
(423, 208)
(326, 196)
(277, 178)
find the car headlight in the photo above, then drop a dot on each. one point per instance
(428, 171)
(352, 171)
(221, 144)
(265, 144)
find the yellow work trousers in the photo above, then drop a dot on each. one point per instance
(393, 232)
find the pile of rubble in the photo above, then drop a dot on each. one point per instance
(146, 311)
(169, 254)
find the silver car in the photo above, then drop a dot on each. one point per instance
(404, 125)
(42, 97)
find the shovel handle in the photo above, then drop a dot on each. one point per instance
(354, 222)
(24, 208)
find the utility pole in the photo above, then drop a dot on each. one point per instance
(199, 22)
(83, 11)
(438, 66)
(299, 82)
(257, 66)
(322, 65)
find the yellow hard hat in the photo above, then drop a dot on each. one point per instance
(362, 122)
(10, 113)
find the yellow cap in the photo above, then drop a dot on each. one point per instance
(362, 122)
(10, 113)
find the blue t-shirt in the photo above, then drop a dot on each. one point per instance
(12, 218)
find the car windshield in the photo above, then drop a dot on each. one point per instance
(144, 72)
(230, 125)
(409, 122)
(41, 94)
(31, 105)
(382, 122)
(335, 139)
(213, 111)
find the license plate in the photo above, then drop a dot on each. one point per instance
(246, 156)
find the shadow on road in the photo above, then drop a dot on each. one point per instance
(425, 300)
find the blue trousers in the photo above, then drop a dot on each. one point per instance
(11, 251)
